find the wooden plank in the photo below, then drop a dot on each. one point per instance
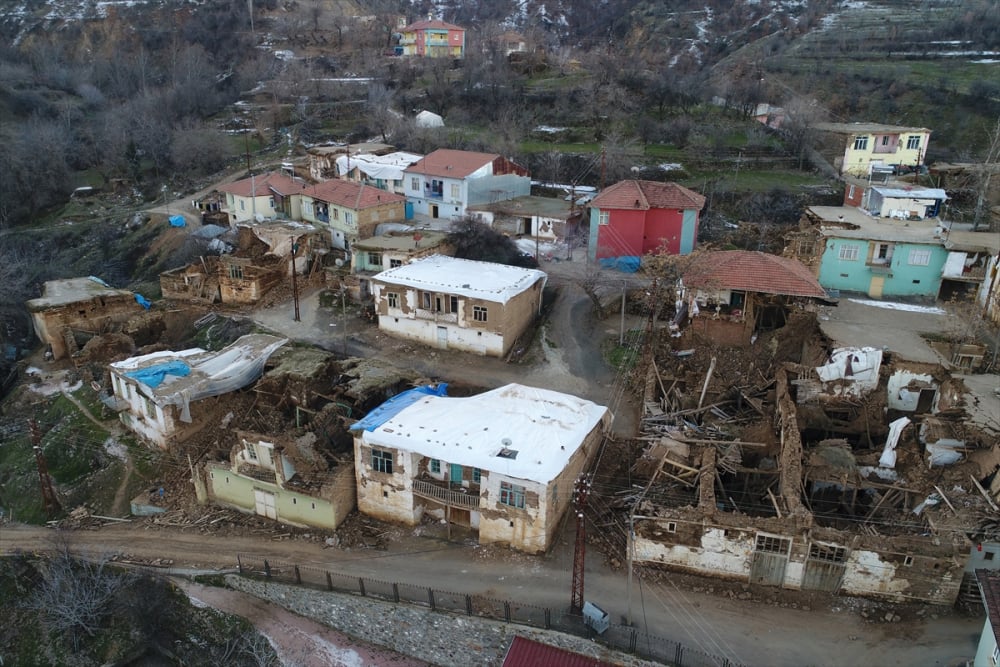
(945, 499)
(985, 495)
(774, 501)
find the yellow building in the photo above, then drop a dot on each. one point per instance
(856, 148)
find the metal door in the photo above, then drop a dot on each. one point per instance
(443, 337)
(825, 567)
(265, 504)
(875, 287)
(455, 473)
(770, 557)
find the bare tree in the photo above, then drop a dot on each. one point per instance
(986, 175)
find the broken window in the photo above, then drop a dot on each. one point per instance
(453, 304)
(772, 544)
(425, 300)
(507, 453)
(479, 313)
(829, 553)
(512, 495)
(382, 461)
(251, 451)
(150, 408)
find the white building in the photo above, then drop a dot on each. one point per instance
(382, 171)
(159, 394)
(446, 182)
(503, 462)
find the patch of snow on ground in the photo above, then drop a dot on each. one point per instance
(671, 166)
(909, 307)
(549, 129)
(195, 602)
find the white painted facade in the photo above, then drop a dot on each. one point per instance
(904, 387)
(851, 371)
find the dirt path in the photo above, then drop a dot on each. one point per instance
(118, 505)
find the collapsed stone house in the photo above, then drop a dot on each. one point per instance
(840, 471)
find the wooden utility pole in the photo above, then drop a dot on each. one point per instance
(295, 283)
(580, 491)
(49, 499)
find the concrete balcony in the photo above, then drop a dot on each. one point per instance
(433, 315)
(465, 498)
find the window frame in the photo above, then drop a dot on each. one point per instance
(849, 252)
(861, 142)
(435, 466)
(480, 314)
(375, 258)
(919, 257)
(913, 142)
(382, 461)
(603, 218)
(392, 298)
(512, 495)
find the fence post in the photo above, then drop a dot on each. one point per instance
(329, 582)
(361, 585)
(679, 654)
(395, 592)
(298, 575)
(506, 611)
(548, 619)
(430, 598)
(239, 564)
(468, 605)
(633, 640)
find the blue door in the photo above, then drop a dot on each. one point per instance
(408, 210)
(455, 473)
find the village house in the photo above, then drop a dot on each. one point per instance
(543, 218)
(731, 295)
(856, 148)
(901, 201)
(634, 218)
(431, 39)
(283, 478)
(971, 266)
(74, 310)
(384, 172)
(388, 251)
(502, 463)
(161, 396)
(263, 197)
(351, 211)
(446, 182)
(323, 159)
(458, 304)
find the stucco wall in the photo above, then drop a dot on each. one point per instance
(900, 277)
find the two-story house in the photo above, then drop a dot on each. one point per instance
(160, 396)
(633, 218)
(350, 210)
(387, 251)
(502, 463)
(458, 304)
(432, 39)
(446, 182)
(856, 148)
(263, 197)
(384, 172)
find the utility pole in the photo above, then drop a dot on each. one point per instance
(49, 499)
(295, 284)
(343, 335)
(604, 155)
(621, 332)
(580, 491)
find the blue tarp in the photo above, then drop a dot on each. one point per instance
(397, 404)
(177, 221)
(142, 301)
(625, 263)
(153, 376)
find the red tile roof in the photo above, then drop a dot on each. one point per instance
(753, 271)
(451, 163)
(645, 195)
(989, 587)
(263, 185)
(430, 25)
(527, 653)
(351, 195)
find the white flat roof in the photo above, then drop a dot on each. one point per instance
(544, 427)
(72, 290)
(463, 277)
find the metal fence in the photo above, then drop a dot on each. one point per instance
(619, 637)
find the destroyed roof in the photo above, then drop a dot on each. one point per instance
(402, 240)
(450, 163)
(387, 167)
(208, 373)
(464, 277)
(524, 652)
(972, 241)
(545, 207)
(873, 128)
(847, 222)
(61, 292)
(537, 430)
(644, 195)
(263, 185)
(753, 271)
(354, 149)
(349, 194)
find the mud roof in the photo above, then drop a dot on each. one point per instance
(61, 292)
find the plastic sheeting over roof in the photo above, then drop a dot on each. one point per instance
(397, 404)
(153, 376)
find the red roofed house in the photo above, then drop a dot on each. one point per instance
(446, 182)
(750, 290)
(350, 210)
(635, 218)
(263, 197)
(524, 652)
(432, 39)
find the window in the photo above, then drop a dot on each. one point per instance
(885, 142)
(336, 214)
(479, 313)
(850, 192)
(393, 263)
(671, 526)
(425, 300)
(604, 217)
(456, 191)
(913, 142)
(393, 299)
(382, 461)
(849, 252)
(477, 475)
(415, 184)
(436, 466)
(908, 561)
(996, 655)
(555, 493)
(251, 452)
(453, 304)
(375, 258)
(150, 408)
(806, 247)
(512, 495)
(861, 143)
(270, 202)
(236, 271)
(348, 217)
(920, 257)
(988, 555)
(243, 205)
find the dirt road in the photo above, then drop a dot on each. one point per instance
(752, 632)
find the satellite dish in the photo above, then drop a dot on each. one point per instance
(506, 442)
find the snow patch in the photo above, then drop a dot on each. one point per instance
(908, 307)
(116, 449)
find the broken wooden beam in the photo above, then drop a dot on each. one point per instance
(708, 378)
(985, 494)
(774, 501)
(945, 499)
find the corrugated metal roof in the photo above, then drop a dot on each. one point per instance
(528, 653)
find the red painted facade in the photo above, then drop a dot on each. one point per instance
(640, 232)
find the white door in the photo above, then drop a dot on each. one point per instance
(265, 504)
(443, 337)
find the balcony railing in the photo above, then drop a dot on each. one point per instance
(450, 318)
(453, 498)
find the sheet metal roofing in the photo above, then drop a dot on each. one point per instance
(752, 271)
(349, 194)
(544, 427)
(450, 163)
(463, 277)
(263, 185)
(910, 193)
(644, 195)
(529, 653)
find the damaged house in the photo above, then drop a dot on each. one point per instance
(840, 471)
(163, 396)
(388, 251)
(502, 463)
(542, 218)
